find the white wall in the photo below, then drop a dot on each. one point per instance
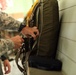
(67, 41)
(19, 6)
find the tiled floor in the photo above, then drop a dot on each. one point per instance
(33, 71)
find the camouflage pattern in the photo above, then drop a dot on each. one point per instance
(7, 22)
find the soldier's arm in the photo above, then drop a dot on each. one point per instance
(7, 22)
(5, 45)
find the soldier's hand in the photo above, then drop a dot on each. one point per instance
(30, 31)
(17, 41)
(7, 67)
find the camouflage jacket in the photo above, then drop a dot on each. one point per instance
(7, 22)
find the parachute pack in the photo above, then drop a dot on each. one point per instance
(45, 15)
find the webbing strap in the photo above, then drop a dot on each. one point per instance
(30, 12)
(16, 59)
(41, 22)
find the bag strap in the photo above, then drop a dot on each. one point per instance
(40, 12)
(16, 60)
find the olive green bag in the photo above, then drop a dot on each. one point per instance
(46, 18)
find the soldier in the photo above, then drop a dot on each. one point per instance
(7, 22)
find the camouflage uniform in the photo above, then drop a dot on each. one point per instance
(7, 22)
